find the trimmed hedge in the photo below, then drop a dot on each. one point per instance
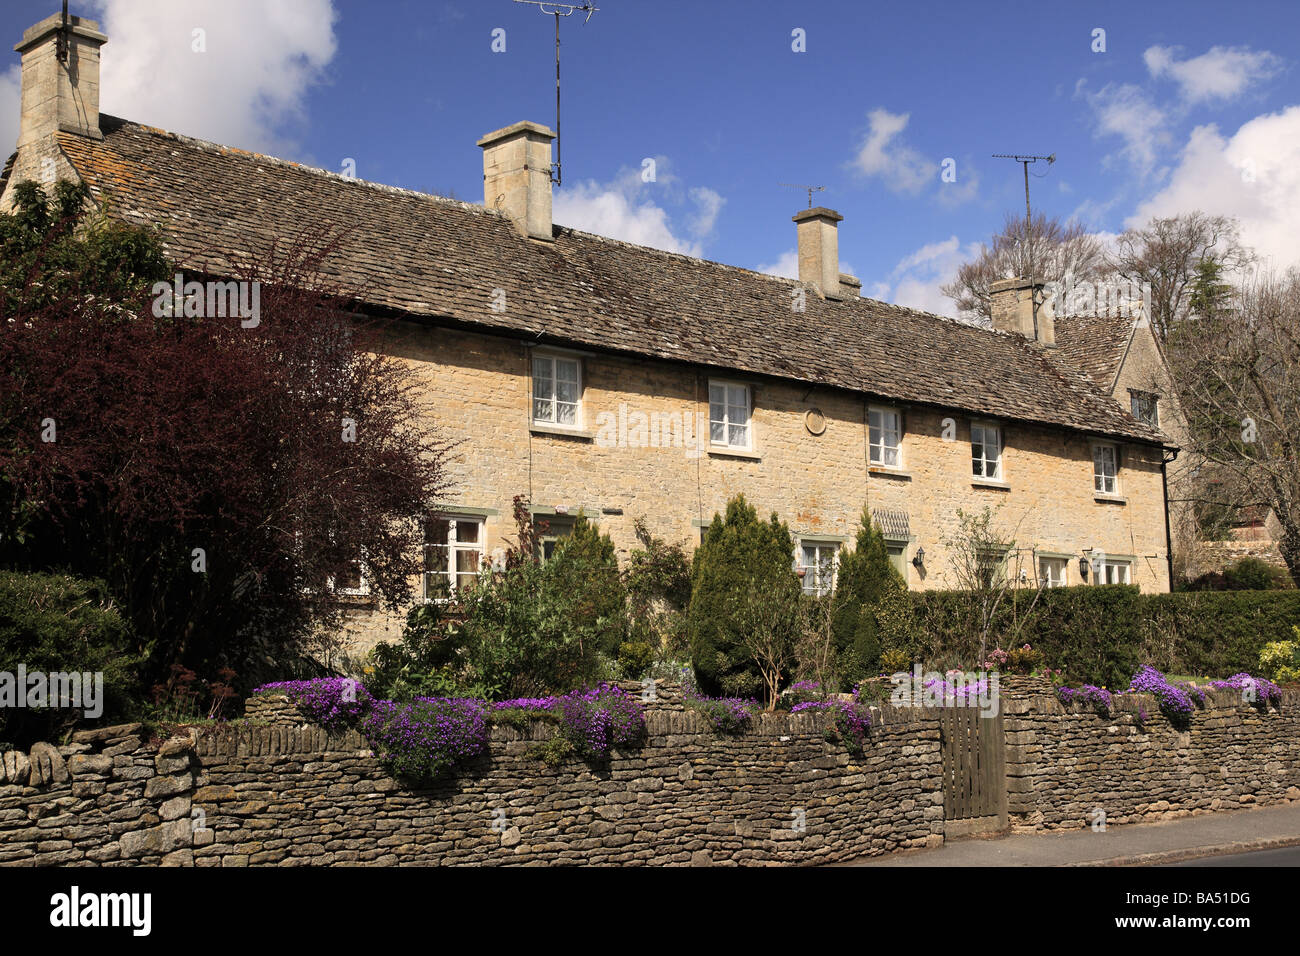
(1101, 635)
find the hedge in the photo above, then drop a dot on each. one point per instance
(1101, 635)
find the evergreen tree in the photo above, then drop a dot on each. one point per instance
(865, 575)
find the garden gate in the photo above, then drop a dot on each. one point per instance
(974, 771)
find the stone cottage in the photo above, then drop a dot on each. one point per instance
(616, 381)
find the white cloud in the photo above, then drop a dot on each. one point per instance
(901, 167)
(260, 60)
(917, 279)
(1254, 176)
(709, 203)
(1221, 73)
(1125, 110)
(633, 210)
(10, 108)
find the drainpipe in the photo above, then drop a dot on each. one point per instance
(1169, 538)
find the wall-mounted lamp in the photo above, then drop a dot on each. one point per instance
(1083, 567)
(919, 558)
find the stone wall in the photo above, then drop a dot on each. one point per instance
(1066, 764)
(274, 790)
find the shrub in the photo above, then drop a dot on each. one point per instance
(1251, 574)
(1280, 660)
(634, 659)
(658, 580)
(55, 623)
(865, 579)
(741, 579)
(852, 721)
(895, 660)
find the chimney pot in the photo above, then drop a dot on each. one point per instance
(517, 176)
(819, 250)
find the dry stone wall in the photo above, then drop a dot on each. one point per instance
(275, 790)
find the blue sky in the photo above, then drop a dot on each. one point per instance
(1190, 105)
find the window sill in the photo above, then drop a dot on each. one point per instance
(990, 483)
(541, 428)
(721, 451)
(1110, 499)
(883, 471)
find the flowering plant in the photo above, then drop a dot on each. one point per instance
(332, 702)
(597, 720)
(1174, 701)
(852, 720)
(427, 736)
(1257, 690)
(728, 715)
(1097, 697)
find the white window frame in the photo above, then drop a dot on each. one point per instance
(553, 402)
(1099, 477)
(726, 422)
(984, 429)
(1045, 575)
(819, 588)
(1108, 566)
(878, 418)
(362, 590)
(453, 547)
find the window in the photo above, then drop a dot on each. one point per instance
(553, 529)
(453, 554)
(1105, 473)
(1052, 572)
(992, 567)
(557, 390)
(1112, 572)
(986, 452)
(729, 415)
(818, 560)
(351, 580)
(885, 427)
(1146, 408)
(898, 557)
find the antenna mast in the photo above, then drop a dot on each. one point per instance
(811, 189)
(554, 9)
(1029, 221)
(61, 42)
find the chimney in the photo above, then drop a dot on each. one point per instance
(819, 250)
(60, 96)
(1013, 309)
(517, 176)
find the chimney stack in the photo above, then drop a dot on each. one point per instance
(1013, 309)
(517, 176)
(819, 250)
(60, 96)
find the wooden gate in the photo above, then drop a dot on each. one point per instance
(974, 772)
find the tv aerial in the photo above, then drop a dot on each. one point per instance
(558, 10)
(810, 189)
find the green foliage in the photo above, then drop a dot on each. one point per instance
(894, 660)
(867, 586)
(634, 659)
(534, 628)
(1280, 660)
(742, 580)
(49, 250)
(1102, 634)
(552, 752)
(658, 580)
(54, 623)
(1250, 574)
